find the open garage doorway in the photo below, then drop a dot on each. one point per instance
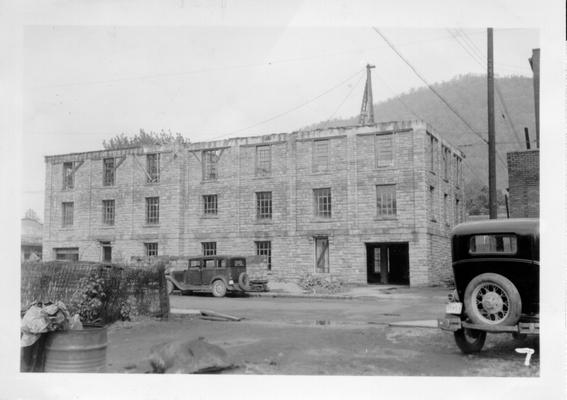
(388, 263)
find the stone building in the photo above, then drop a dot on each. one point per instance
(523, 183)
(370, 203)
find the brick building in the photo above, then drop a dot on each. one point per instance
(364, 203)
(523, 182)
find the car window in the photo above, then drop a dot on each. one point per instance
(222, 263)
(194, 263)
(493, 244)
(210, 263)
(239, 262)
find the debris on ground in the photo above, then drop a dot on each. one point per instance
(188, 357)
(216, 316)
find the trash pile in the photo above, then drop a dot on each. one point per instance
(41, 318)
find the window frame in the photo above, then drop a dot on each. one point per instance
(149, 248)
(391, 207)
(152, 168)
(152, 210)
(210, 164)
(264, 206)
(107, 205)
(68, 175)
(263, 160)
(264, 248)
(67, 218)
(322, 201)
(380, 161)
(108, 171)
(210, 205)
(209, 249)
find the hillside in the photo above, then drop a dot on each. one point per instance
(467, 94)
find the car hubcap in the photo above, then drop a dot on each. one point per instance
(492, 302)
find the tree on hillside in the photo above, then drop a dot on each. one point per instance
(143, 138)
(477, 199)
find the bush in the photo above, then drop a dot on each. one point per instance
(320, 284)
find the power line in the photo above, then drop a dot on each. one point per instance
(344, 100)
(292, 109)
(429, 86)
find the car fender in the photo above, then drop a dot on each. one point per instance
(222, 278)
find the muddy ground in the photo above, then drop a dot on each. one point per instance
(321, 337)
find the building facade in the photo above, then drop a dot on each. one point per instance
(523, 183)
(363, 204)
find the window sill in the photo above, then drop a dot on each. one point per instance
(151, 184)
(67, 228)
(263, 222)
(322, 219)
(383, 167)
(150, 226)
(210, 216)
(105, 226)
(209, 180)
(385, 218)
(263, 176)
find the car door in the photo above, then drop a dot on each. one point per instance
(194, 272)
(209, 270)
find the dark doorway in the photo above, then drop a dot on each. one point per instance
(106, 252)
(387, 263)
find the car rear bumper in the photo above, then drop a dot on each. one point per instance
(453, 323)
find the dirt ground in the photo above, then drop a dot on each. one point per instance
(295, 344)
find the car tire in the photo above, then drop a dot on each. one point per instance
(243, 281)
(219, 288)
(170, 286)
(470, 340)
(492, 299)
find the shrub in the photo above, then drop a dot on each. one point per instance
(320, 284)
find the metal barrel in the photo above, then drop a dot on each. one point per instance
(76, 350)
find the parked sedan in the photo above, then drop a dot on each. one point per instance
(215, 274)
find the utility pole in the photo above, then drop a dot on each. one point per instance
(534, 63)
(492, 204)
(367, 108)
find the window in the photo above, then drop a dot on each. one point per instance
(152, 168)
(457, 211)
(322, 202)
(433, 156)
(151, 249)
(446, 159)
(108, 171)
(68, 176)
(108, 212)
(68, 210)
(263, 160)
(386, 200)
(496, 243)
(209, 248)
(322, 254)
(320, 155)
(431, 205)
(264, 248)
(152, 210)
(67, 254)
(210, 164)
(264, 205)
(384, 149)
(210, 204)
(458, 173)
(445, 208)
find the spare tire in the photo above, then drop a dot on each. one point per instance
(243, 281)
(492, 299)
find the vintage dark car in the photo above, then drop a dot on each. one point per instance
(215, 274)
(496, 274)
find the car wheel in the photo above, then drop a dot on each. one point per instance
(492, 299)
(243, 281)
(219, 288)
(170, 286)
(470, 340)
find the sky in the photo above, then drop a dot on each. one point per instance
(85, 84)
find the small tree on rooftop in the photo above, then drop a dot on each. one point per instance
(143, 138)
